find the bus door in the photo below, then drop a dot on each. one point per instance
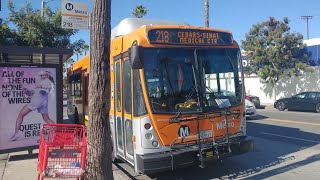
(123, 110)
(85, 97)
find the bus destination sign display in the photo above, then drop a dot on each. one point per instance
(193, 37)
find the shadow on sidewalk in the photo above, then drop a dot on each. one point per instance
(22, 157)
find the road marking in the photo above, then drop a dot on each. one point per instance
(297, 122)
(307, 140)
(309, 113)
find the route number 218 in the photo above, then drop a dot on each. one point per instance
(162, 36)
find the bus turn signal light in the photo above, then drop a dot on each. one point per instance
(147, 126)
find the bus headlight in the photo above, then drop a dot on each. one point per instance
(148, 136)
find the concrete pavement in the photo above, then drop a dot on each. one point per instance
(22, 166)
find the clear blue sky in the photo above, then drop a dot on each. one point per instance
(238, 16)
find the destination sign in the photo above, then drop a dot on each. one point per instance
(194, 37)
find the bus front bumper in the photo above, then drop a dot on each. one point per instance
(159, 162)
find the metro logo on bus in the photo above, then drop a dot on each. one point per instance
(194, 37)
(184, 131)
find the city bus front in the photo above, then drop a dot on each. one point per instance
(192, 82)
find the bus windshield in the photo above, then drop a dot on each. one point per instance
(192, 80)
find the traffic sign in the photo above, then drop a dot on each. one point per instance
(75, 15)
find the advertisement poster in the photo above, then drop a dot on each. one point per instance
(27, 100)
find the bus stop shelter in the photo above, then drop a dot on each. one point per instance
(31, 91)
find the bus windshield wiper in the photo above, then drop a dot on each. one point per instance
(195, 88)
(175, 118)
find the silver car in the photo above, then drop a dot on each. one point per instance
(250, 109)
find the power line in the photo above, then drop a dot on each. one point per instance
(307, 20)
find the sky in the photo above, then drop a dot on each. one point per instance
(237, 16)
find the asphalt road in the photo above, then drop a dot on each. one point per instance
(287, 146)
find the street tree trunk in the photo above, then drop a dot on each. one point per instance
(274, 93)
(206, 13)
(99, 145)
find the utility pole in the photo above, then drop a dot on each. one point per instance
(307, 20)
(206, 13)
(42, 8)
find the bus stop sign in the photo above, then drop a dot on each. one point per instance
(74, 15)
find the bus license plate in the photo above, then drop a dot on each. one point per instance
(205, 134)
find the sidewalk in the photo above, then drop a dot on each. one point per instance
(22, 166)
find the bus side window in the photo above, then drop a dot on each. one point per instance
(86, 92)
(75, 84)
(139, 106)
(118, 85)
(77, 88)
(127, 86)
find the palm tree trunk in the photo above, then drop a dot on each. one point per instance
(99, 145)
(206, 13)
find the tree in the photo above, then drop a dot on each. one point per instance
(7, 35)
(273, 51)
(85, 49)
(206, 13)
(65, 67)
(78, 47)
(67, 62)
(99, 144)
(139, 11)
(35, 30)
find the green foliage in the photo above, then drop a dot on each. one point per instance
(66, 64)
(7, 35)
(274, 51)
(139, 11)
(35, 30)
(79, 47)
(85, 49)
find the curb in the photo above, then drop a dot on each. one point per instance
(118, 174)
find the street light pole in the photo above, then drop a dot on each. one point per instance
(43, 4)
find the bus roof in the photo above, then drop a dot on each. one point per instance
(130, 24)
(81, 64)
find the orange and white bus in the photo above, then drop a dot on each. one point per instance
(177, 95)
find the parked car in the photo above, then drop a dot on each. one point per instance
(250, 109)
(302, 101)
(254, 99)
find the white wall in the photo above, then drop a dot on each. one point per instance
(286, 87)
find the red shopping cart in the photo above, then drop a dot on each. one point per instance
(62, 151)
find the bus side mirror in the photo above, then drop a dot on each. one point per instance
(136, 57)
